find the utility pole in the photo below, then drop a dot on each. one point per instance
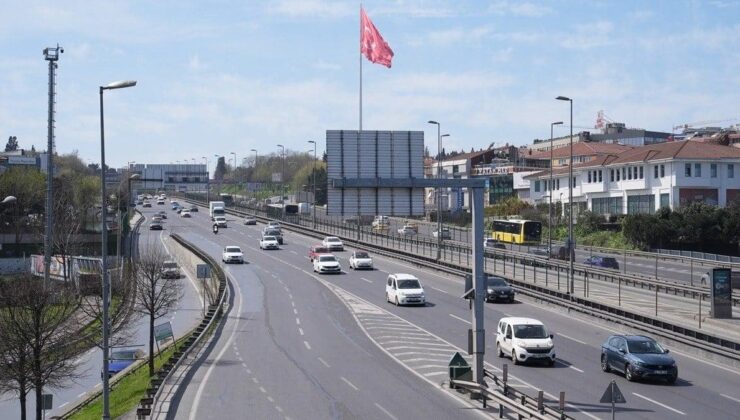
(51, 55)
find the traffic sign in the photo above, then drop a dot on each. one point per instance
(613, 394)
(204, 271)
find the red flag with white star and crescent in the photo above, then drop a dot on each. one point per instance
(372, 44)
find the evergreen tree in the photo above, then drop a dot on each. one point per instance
(218, 174)
(12, 145)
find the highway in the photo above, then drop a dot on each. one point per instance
(330, 346)
(183, 318)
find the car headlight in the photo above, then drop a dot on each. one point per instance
(638, 363)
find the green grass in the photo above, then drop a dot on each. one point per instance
(127, 392)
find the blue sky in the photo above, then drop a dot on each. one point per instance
(220, 76)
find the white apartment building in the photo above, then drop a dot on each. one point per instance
(646, 178)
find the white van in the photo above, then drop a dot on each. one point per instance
(524, 340)
(404, 289)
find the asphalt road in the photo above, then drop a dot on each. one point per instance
(184, 317)
(288, 320)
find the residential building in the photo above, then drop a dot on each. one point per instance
(612, 133)
(643, 179)
(171, 177)
(582, 152)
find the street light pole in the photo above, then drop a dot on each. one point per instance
(571, 245)
(313, 206)
(104, 248)
(549, 213)
(439, 198)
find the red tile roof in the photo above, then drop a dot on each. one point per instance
(581, 149)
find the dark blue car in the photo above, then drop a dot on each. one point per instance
(121, 359)
(603, 262)
(638, 357)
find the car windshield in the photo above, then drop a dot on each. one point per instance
(409, 284)
(220, 219)
(233, 249)
(496, 282)
(269, 238)
(327, 258)
(644, 346)
(273, 232)
(123, 355)
(530, 331)
(361, 255)
(332, 240)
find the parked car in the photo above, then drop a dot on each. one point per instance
(360, 260)
(407, 231)
(170, 270)
(315, 250)
(404, 289)
(638, 357)
(185, 213)
(603, 262)
(273, 232)
(333, 243)
(524, 340)
(194, 209)
(155, 225)
(121, 359)
(269, 242)
(250, 220)
(445, 233)
(490, 243)
(232, 254)
(220, 221)
(498, 289)
(326, 263)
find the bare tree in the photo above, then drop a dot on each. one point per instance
(15, 369)
(40, 325)
(155, 296)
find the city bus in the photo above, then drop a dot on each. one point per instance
(228, 199)
(517, 231)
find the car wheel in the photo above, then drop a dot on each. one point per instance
(499, 351)
(513, 357)
(604, 363)
(551, 362)
(628, 373)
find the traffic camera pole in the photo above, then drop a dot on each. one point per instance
(479, 282)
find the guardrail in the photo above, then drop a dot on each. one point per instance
(196, 338)
(693, 254)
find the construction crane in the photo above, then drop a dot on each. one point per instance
(686, 126)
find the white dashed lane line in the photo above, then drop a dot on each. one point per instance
(380, 407)
(439, 290)
(659, 403)
(323, 362)
(730, 398)
(461, 319)
(308, 346)
(572, 339)
(363, 278)
(300, 330)
(349, 383)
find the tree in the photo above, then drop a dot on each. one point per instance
(12, 144)
(218, 174)
(155, 295)
(28, 187)
(37, 323)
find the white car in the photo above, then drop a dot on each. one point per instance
(269, 242)
(404, 289)
(160, 202)
(326, 263)
(185, 213)
(407, 231)
(274, 224)
(360, 259)
(220, 221)
(232, 254)
(524, 340)
(333, 243)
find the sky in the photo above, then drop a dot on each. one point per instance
(219, 76)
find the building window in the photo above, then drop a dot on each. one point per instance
(697, 170)
(624, 173)
(641, 204)
(558, 182)
(662, 171)
(687, 171)
(589, 177)
(664, 200)
(713, 170)
(629, 173)
(608, 205)
(600, 175)
(641, 173)
(618, 176)
(537, 186)
(730, 170)
(655, 171)
(574, 182)
(611, 175)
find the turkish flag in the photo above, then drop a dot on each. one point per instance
(372, 44)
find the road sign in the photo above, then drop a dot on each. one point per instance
(613, 395)
(721, 293)
(47, 401)
(163, 332)
(204, 271)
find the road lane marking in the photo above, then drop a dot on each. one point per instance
(323, 362)
(279, 409)
(346, 381)
(363, 278)
(295, 311)
(572, 339)
(263, 390)
(298, 321)
(244, 365)
(270, 399)
(439, 290)
(730, 398)
(300, 330)
(293, 252)
(380, 407)
(461, 319)
(63, 404)
(81, 394)
(292, 303)
(659, 403)
(255, 380)
(305, 343)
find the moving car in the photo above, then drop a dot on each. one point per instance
(170, 270)
(498, 289)
(175, 205)
(326, 263)
(638, 357)
(407, 231)
(524, 340)
(232, 254)
(445, 233)
(121, 359)
(404, 289)
(490, 243)
(333, 243)
(315, 250)
(154, 225)
(162, 214)
(160, 202)
(603, 262)
(157, 219)
(194, 209)
(185, 213)
(274, 224)
(360, 260)
(250, 220)
(139, 202)
(269, 242)
(147, 204)
(273, 232)
(220, 221)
